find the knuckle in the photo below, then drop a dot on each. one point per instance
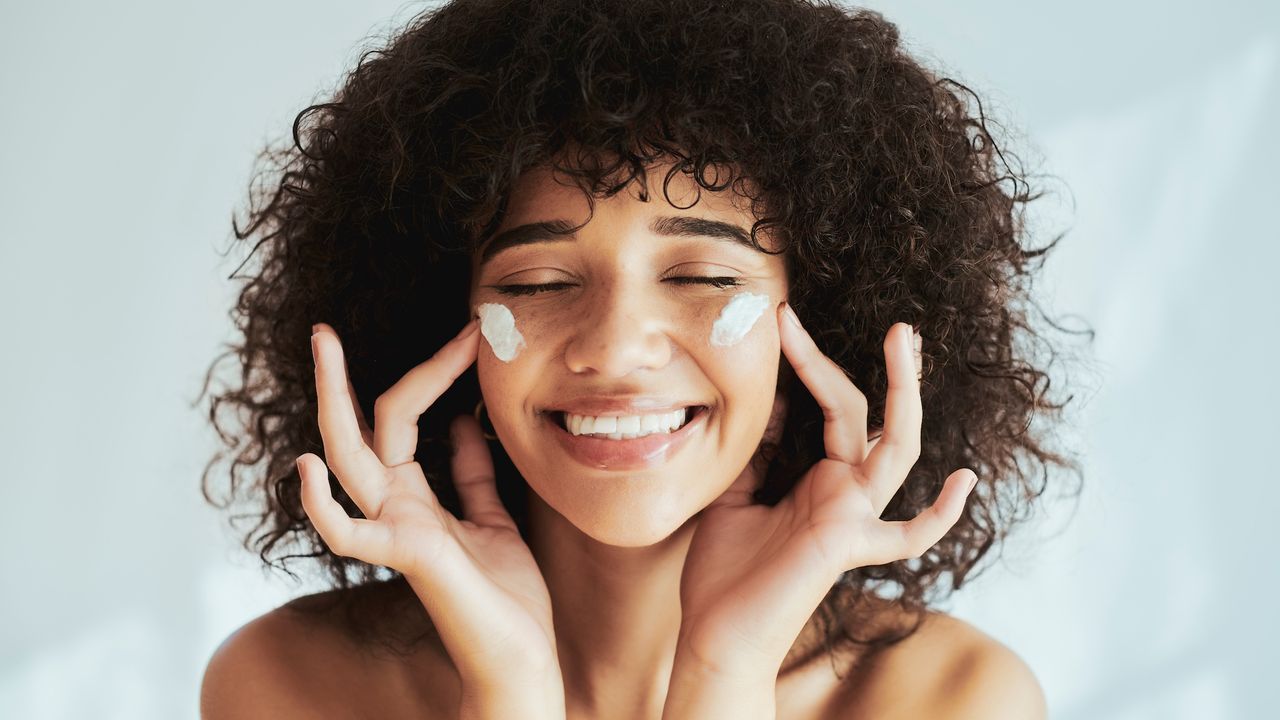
(469, 480)
(911, 450)
(916, 543)
(851, 388)
(339, 543)
(323, 529)
(802, 364)
(341, 459)
(383, 404)
(924, 543)
(916, 414)
(853, 398)
(906, 449)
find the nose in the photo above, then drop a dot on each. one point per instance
(617, 334)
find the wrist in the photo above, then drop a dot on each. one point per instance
(537, 698)
(480, 661)
(700, 687)
(706, 650)
(741, 672)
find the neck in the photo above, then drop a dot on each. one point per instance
(616, 613)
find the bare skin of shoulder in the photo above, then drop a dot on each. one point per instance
(304, 660)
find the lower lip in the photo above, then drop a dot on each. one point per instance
(632, 454)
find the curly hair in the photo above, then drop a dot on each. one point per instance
(888, 192)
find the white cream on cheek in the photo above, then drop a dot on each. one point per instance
(498, 326)
(738, 317)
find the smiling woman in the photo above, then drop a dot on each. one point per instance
(742, 292)
(618, 305)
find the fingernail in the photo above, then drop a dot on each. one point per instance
(972, 482)
(910, 339)
(794, 318)
(298, 462)
(916, 344)
(315, 328)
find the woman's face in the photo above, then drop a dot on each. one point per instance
(620, 332)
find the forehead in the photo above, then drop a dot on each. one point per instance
(543, 194)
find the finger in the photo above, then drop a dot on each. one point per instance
(396, 412)
(874, 436)
(888, 463)
(365, 432)
(898, 540)
(919, 345)
(354, 463)
(844, 407)
(351, 537)
(473, 475)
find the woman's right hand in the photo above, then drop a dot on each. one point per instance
(476, 576)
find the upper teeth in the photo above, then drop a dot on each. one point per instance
(621, 427)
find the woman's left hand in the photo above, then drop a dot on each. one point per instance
(754, 574)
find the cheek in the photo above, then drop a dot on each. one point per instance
(736, 327)
(504, 387)
(508, 366)
(510, 332)
(741, 342)
(737, 318)
(728, 326)
(747, 371)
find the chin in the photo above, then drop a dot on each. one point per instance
(633, 535)
(625, 519)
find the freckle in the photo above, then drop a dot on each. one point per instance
(737, 318)
(498, 326)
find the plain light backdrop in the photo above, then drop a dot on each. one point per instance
(127, 134)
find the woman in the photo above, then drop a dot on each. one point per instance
(740, 285)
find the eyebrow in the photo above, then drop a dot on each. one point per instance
(668, 225)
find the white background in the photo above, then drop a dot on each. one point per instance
(127, 132)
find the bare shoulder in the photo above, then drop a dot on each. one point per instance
(981, 677)
(946, 670)
(255, 672)
(297, 662)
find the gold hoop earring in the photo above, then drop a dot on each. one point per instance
(481, 409)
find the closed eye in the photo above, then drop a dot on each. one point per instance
(717, 282)
(530, 289)
(720, 282)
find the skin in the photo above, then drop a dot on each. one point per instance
(634, 327)
(633, 331)
(651, 592)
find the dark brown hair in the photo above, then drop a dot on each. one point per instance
(882, 180)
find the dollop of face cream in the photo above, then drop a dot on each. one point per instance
(498, 326)
(738, 317)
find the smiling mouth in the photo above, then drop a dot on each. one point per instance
(626, 427)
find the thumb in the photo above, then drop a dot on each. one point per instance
(473, 475)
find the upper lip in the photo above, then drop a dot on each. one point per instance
(614, 405)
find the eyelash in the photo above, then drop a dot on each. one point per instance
(716, 282)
